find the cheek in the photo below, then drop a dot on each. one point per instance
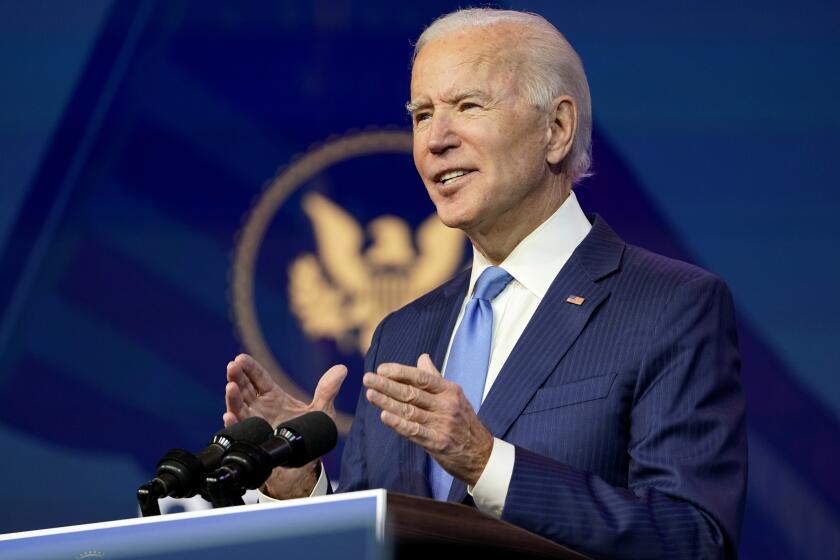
(420, 165)
(417, 153)
(527, 156)
(511, 149)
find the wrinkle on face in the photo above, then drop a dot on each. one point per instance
(492, 81)
(498, 135)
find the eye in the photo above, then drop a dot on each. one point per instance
(422, 116)
(468, 105)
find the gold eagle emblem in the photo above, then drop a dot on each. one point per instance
(350, 289)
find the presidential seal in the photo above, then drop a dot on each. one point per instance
(331, 293)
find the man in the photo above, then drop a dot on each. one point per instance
(610, 414)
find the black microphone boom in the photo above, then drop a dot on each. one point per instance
(295, 443)
(181, 474)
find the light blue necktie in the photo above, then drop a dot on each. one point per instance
(470, 355)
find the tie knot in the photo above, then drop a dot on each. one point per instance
(491, 283)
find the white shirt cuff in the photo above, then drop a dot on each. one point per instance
(490, 492)
(319, 490)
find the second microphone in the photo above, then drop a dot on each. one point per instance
(295, 443)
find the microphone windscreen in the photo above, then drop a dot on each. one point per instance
(253, 430)
(316, 430)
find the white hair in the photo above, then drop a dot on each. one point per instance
(552, 68)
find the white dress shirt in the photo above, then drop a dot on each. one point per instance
(533, 264)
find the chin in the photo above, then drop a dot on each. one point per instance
(456, 212)
(457, 220)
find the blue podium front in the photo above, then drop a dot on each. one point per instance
(343, 526)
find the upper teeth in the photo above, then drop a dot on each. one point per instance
(452, 175)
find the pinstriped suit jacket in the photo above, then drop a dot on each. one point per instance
(626, 411)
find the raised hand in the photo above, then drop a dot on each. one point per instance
(418, 404)
(251, 391)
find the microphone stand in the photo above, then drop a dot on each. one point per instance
(218, 491)
(147, 499)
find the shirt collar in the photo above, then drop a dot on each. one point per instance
(538, 258)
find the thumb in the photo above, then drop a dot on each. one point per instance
(328, 386)
(425, 363)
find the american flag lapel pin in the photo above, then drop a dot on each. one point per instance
(576, 300)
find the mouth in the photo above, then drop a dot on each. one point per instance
(452, 176)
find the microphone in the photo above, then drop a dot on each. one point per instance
(295, 443)
(181, 474)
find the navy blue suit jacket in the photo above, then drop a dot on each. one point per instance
(626, 411)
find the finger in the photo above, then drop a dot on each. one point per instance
(433, 383)
(229, 418)
(425, 363)
(257, 375)
(328, 386)
(412, 430)
(237, 375)
(401, 409)
(399, 391)
(233, 400)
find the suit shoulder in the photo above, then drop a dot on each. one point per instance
(661, 272)
(656, 280)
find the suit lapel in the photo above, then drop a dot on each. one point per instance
(555, 326)
(552, 330)
(437, 319)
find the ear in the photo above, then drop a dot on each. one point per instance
(561, 130)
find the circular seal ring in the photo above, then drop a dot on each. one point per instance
(250, 237)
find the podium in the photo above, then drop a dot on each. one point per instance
(372, 524)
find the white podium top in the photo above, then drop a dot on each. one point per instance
(344, 526)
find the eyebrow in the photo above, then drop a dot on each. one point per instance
(451, 99)
(412, 106)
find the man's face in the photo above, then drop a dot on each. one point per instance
(479, 146)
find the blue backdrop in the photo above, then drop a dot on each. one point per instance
(137, 139)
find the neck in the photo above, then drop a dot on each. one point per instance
(499, 240)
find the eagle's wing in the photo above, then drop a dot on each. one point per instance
(340, 240)
(441, 250)
(316, 303)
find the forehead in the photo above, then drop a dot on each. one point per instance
(474, 58)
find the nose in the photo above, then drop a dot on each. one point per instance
(442, 136)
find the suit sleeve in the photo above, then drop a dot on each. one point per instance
(353, 465)
(687, 452)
